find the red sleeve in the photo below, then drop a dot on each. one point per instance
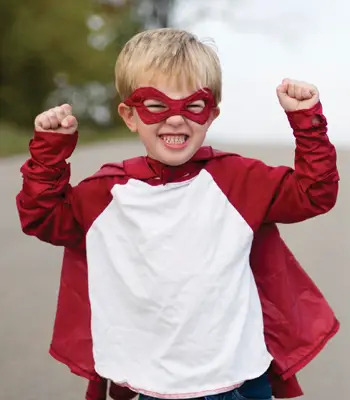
(312, 187)
(261, 193)
(47, 203)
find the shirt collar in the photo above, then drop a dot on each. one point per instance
(144, 168)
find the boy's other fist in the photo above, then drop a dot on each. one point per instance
(297, 95)
(58, 119)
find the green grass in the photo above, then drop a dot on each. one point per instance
(14, 140)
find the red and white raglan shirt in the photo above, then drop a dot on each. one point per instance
(175, 310)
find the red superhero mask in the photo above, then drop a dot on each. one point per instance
(166, 107)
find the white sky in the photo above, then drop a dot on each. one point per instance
(261, 42)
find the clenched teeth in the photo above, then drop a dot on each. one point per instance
(174, 139)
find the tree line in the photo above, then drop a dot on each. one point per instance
(65, 51)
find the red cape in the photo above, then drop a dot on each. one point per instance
(298, 320)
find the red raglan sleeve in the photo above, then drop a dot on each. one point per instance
(311, 188)
(264, 194)
(47, 204)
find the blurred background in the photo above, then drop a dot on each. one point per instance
(56, 52)
(65, 52)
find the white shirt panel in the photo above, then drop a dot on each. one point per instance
(175, 308)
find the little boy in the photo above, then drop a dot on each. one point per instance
(157, 291)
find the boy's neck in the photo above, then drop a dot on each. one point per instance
(203, 153)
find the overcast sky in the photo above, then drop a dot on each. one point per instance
(261, 42)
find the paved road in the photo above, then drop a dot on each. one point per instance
(29, 276)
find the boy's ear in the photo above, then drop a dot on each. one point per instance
(214, 114)
(127, 113)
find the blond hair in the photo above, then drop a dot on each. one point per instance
(173, 53)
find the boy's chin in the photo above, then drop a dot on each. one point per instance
(176, 163)
(173, 158)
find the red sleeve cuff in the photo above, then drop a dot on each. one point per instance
(51, 148)
(305, 119)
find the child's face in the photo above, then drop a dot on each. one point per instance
(176, 138)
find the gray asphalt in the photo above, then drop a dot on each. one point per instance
(30, 269)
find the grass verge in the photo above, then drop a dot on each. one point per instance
(14, 140)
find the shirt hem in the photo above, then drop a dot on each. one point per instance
(191, 395)
(181, 395)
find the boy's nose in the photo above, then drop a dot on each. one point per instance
(175, 120)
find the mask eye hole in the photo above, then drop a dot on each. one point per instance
(155, 106)
(196, 106)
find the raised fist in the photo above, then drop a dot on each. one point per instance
(58, 119)
(296, 95)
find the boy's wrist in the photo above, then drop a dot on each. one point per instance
(307, 119)
(51, 148)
